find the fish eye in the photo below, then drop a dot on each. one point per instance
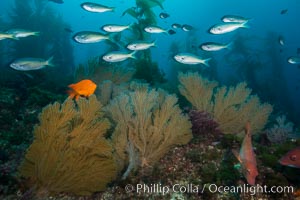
(293, 157)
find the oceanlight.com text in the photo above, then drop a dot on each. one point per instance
(212, 188)
(252, 190)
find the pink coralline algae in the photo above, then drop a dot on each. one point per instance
(203, 124)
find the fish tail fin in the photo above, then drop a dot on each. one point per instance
(206, 62)
(109, 37)
(153, 43)
(132, 55)
(230, 45)
(130, 26)
(49, 62)
(245, 25)
(112, 41)
(36, 33)
(171, 32)
(249, 19)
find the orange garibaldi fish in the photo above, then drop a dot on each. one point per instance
(84, 88)
(247, 157)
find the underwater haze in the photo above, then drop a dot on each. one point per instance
(149, 99)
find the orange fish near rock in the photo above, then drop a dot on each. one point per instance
(247, 157)
(84, 88)
(291, 158)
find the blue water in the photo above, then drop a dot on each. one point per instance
(266, 18)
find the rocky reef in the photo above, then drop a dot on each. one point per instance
(146, 140)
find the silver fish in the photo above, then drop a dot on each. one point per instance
(27, 64)
(154, 29)
(176, 25)
(117, 56)
(164, 15)
(114, 28)
(94, 7)
(191, 59)
(213, 46)
(21, 33)
(187, 27)
(89, 37)
(226, 27)
(140, 45)
(4, 36)
(294, 60)
(234, 18)
(281, 40)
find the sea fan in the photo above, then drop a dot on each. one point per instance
(231, 107)
(149, 123)
(70, 153)
(282, 131)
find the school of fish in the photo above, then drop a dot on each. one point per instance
(229, 23)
